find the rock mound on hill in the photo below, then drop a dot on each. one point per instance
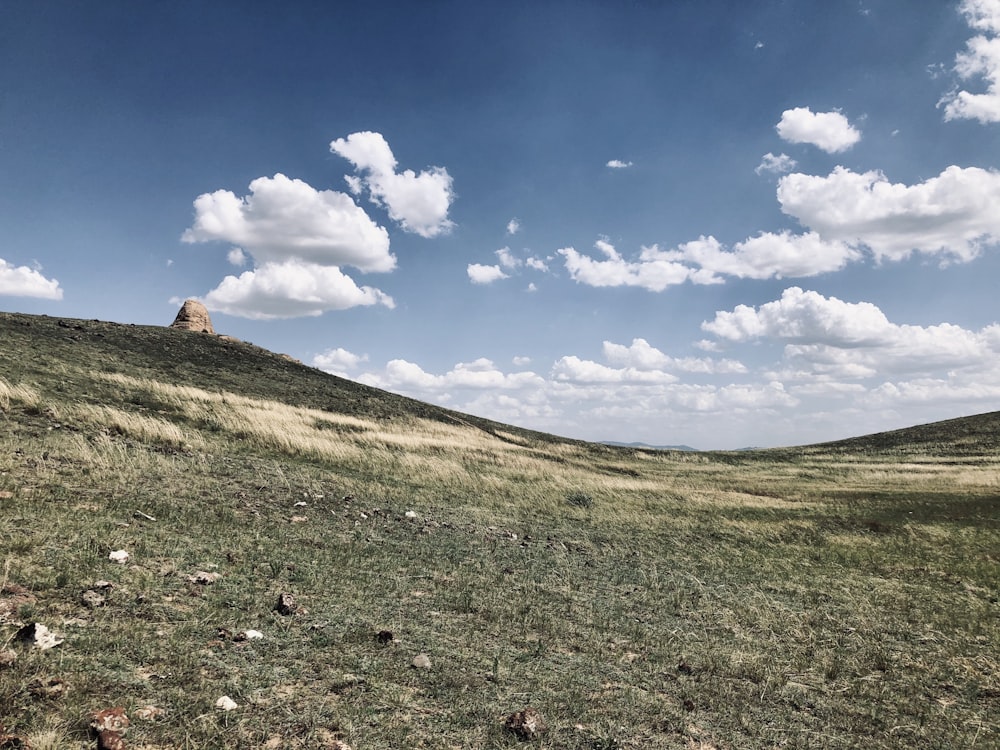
(193, 316)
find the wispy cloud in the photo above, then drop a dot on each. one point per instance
(619, 164)
(772, 164)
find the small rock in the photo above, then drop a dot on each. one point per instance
(301, 504)
(248, 635)
(421, 661)
(204, 579)
(286, 605)
(526, 724)
(299, 519)
(225, 703)
(38, 636)
(411, 514)
(119, 556)
(109, 720)
(7, 657)
(109, 740)
(149, 712)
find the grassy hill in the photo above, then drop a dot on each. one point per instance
(839, 595)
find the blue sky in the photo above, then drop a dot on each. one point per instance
(707, 223)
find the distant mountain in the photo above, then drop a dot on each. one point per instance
(647, 446)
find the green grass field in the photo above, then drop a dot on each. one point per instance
(833, 596)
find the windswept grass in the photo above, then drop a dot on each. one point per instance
(830, 596)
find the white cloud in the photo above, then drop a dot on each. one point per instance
(619, 164)
(21, 281)
(575, 370)
(237, 257)
(980, 60)
(284, 219)
(536, 264)
(953, 213)
(829, 131)
(772, 164)
(507, 259)
(769, 255)
(480, 374)
(513, 226)
(290, 289)
(521, 361)
(640, 355)
(654, 270)
(829, 337)
(418, 202)
(480, 274)
(339, 361)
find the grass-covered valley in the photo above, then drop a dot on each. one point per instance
(830, 596)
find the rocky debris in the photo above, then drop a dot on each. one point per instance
(526, 724)
(193, 316)
(37, 636)
(109, 726)
(225, 703)
(248, 635)
(119, 556)
(421, 661)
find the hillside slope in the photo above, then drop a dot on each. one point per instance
(417, 575)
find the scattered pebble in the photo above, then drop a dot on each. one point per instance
(149, 712)
(421, 661)
(299, 519)
(119, 556)
(225, 703)
(248, 635)
(411, 514)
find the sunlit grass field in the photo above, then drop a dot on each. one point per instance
(834, 596)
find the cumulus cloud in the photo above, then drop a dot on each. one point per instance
(829, 131)
(287, 219)
(290, 289)
(482, 373)
(706, 261)
(237, 257)
(653, 270)
(980, 60)
(619, 164)
(772, 164)
(419, 203)
(513, 226)
(21, 281)
(339, 361)
(481, 274)
(536, 264)
(640, 355)
(769, 255)
(953, 214)
(507, 258)
(827, 336)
